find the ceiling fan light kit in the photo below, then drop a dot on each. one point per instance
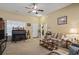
(34, 11)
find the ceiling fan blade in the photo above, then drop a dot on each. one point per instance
(27, 7)
(29, 11)
(40, 10)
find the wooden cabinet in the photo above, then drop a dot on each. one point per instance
(1, 24)
(2, 36)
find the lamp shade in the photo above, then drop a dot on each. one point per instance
(73, 30)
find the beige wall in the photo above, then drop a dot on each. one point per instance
(11, 16)
(28, 19)
(72, 13)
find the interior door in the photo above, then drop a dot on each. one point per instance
(35, 28)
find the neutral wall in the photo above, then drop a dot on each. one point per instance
(72, 13)
(12, 16)
(16, 17)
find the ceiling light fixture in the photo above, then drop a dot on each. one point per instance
(34, 11)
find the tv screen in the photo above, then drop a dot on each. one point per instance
(2, 28)
(1, 34)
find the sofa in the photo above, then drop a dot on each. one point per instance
(74, 49)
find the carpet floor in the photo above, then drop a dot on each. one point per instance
(28, 47)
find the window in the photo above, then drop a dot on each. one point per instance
(11, 24)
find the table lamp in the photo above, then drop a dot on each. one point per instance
(73, 34)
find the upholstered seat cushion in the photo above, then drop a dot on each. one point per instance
(77, 45)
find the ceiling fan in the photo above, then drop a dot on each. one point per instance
(34, 9)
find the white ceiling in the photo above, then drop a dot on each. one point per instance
(19, 8)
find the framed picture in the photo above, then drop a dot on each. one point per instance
(62, 20)
(28, 24)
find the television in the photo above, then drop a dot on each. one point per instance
(2, 33)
